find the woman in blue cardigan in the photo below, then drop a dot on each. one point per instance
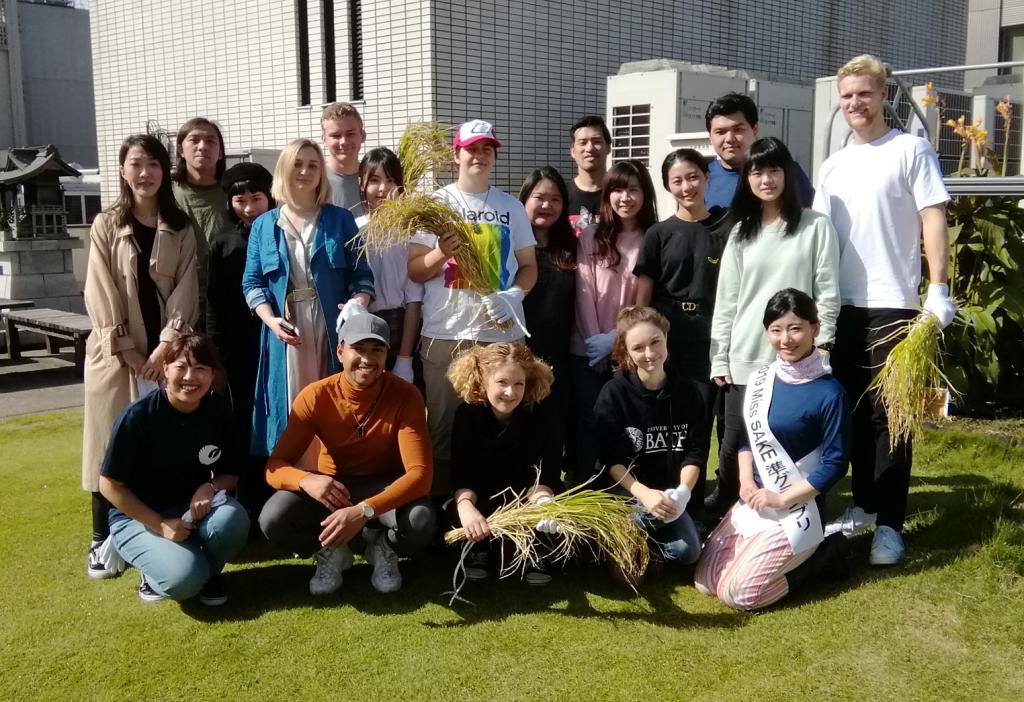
(301, 267)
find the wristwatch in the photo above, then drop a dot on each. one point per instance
(367, 509)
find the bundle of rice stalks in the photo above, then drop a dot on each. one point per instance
(595, 520)
(423, 148)
(907, 381)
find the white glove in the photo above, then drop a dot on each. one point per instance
(680, 497)
(938, 303)
(501, 305)
(110, 558)
(599, 347)
(350, 310)
(547, 526)
(403, 368)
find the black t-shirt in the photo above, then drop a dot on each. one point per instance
(489, 456)
(682, 259)
(149, 296)
(162, 455)
(583, 206)
(550, 309)
(655, 431)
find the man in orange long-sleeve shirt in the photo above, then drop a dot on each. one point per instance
(374, 468)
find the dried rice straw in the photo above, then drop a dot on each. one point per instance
(906, 383)
(424, 148)
(596, 520)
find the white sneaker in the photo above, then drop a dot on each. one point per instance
(887, 547)
(330, 564)
(853, 521)
(386, 576)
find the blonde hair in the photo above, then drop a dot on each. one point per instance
(468, 372)
(864, 65)
(281, 189)
(339, 111)
(628, 318)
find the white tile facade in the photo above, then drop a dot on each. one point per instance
(530, 66)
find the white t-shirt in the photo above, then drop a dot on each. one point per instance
(450, 309)
(873, 193)
(392, 288)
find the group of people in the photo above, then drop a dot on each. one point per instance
(251, 364)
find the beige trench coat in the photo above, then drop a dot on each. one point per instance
(112, 301)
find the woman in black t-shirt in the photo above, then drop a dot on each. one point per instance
(499, 441)
(550, 308)
(171, 459)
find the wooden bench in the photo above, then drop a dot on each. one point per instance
(54, 324)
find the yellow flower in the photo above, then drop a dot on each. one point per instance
(929, 95)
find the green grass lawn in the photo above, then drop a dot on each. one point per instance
(949, 624)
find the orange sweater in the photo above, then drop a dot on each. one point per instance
(395, 437)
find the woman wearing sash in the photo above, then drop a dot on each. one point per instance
(797, 447)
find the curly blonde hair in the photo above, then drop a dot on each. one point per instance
(628, 318)
(468, 372)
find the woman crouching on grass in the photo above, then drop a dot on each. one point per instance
(498, 443)
(172, 456)
(798, 425)
(653, 433)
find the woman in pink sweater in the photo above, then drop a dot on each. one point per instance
(605, 284)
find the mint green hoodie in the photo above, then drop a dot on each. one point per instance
(752, 271)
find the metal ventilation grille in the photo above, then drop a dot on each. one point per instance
(631, 133)
(1013, 150)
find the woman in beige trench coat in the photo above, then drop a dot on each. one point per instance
(133, 320)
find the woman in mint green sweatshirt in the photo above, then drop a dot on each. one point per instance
(775, 244)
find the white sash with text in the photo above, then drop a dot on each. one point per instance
(778, 472)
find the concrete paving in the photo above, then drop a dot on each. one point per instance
(39, 382)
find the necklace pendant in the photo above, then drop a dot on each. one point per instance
(359, 431)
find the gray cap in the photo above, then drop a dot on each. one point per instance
(365, 326)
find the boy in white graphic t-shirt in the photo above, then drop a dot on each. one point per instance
(884, 193)
(453, 315)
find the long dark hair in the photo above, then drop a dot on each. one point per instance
(790, 300)
(608, 228)
(561, 238)
(384, 159)
(768, 152)
(168, 209)
(181, 170)
(691, 156)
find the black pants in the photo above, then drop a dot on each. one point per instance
(733, 431)
(291, 520)
(689, 352)
(881, 479)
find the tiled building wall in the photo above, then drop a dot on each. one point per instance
(236, 62)
(532, 66)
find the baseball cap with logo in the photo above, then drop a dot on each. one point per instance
(473, 131)
(365, 326)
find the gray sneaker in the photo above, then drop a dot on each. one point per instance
(330, 564)
(887, 547)
(853, 521)
(386, 576)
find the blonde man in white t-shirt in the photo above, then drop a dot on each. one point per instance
(884, 193)
(455, 317)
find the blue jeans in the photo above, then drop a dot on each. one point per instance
(179, 569)
(678, 540)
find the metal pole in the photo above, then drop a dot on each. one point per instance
(966, 67)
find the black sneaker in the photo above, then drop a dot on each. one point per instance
(146, 593)
(476, 565)
(214, 594)
(94, 566)
(537, 576)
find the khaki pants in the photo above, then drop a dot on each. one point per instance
(437, 355)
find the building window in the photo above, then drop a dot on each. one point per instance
(631, 133)
(327, 41)
(302, 44)
(356, 50)
(73, 205)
